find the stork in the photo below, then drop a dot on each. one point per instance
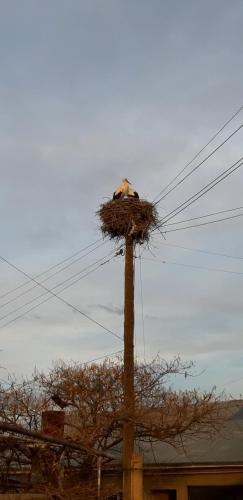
(125, 190)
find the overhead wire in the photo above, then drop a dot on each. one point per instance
(102, 357)
(199, 152)
(39, 303)
(28, 383)
(75, 308)
(107, 330)
(203, 216)
(53, 267)
(176, 177)
(202, 223)
(192, 266)
(207, 252)
(231, 382)
(52, 275)
(67, 280)
(192, 199)
(101, 262)
(198, 165)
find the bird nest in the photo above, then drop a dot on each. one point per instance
(128, 217)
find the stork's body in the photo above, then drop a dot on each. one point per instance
(124, 190)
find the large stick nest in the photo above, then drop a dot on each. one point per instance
(128, 217)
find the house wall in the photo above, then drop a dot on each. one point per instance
(181, 482)
(157, 483)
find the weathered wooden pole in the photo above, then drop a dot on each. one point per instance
(132, 219)
(128, 380)
(99, 477)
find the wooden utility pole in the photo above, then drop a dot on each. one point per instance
(128, 425)
(133, 219)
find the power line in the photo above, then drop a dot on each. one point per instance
(201, 192)
(203, 223)
(203, 268)
(53, 267)
(203, 251)
(67, 280)
(28, 383)
(199, 164)
(199, 152)
(231, 382)
(102, 357)
(43, 301)
(61, 299)
(71, 305)
(203, 216)
(54, 274)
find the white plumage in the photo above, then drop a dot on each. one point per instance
(124, 190)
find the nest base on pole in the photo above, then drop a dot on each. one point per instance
(128, 217)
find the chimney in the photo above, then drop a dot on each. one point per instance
(52, 423)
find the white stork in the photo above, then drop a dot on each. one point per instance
(125, 190)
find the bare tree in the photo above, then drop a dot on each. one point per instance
(93, 400)
(92, 397)
(22, 402)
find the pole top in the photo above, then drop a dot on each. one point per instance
(128, 217)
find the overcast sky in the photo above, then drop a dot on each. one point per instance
(93, 91)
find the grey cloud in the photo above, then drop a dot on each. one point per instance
(109, 308)
(92, 92)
